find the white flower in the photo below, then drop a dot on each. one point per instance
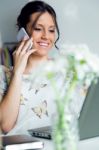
(82, 52)
(78, 65)
(57, 65)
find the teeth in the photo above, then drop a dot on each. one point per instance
(43, 44)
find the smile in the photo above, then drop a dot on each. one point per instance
(43, 44)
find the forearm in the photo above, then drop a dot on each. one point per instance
(10, 104)
(11, 101)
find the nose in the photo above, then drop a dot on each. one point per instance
(45, 34)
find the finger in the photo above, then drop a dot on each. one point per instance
(30, 52)
(27, 45)
(32, 42)
(14, 53)
(20, 47)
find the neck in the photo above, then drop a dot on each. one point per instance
(34, 61)
(37, 58)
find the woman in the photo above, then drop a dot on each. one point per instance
(24, 103)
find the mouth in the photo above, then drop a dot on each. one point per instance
(43, 44)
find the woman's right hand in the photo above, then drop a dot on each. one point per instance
(21, 55)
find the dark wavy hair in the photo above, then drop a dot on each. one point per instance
(34, 7)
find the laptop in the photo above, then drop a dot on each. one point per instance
(88, 120)
(43, 132)
(21, 142)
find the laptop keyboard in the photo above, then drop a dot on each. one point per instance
(43, 132)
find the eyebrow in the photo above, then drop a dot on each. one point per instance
(52, 26)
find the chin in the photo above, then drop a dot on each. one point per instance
(43, 52)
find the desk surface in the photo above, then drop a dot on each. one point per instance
(89, 144)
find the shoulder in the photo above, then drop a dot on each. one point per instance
(5, 72)
(4, 69)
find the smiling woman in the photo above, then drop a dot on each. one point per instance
(43, 33)
(25, 99)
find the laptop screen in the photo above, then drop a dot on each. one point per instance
(88, 120)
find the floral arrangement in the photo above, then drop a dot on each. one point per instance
(78, 65)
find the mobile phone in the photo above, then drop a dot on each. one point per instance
(21, 34)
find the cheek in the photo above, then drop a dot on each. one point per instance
(35, 36)
(53, 39)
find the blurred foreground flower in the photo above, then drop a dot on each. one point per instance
(78, 66)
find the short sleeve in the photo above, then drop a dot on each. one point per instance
(3, 81)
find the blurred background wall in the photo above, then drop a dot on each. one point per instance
(78, 21)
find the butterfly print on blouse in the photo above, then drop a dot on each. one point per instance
(41, 109)
(22, 100)
(41, 86)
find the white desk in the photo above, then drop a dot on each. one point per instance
(90, 144)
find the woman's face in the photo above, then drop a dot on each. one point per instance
(43, 33)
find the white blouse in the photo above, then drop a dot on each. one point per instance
(37, 100)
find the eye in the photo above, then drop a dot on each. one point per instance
(37, 29)
(52, 30)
